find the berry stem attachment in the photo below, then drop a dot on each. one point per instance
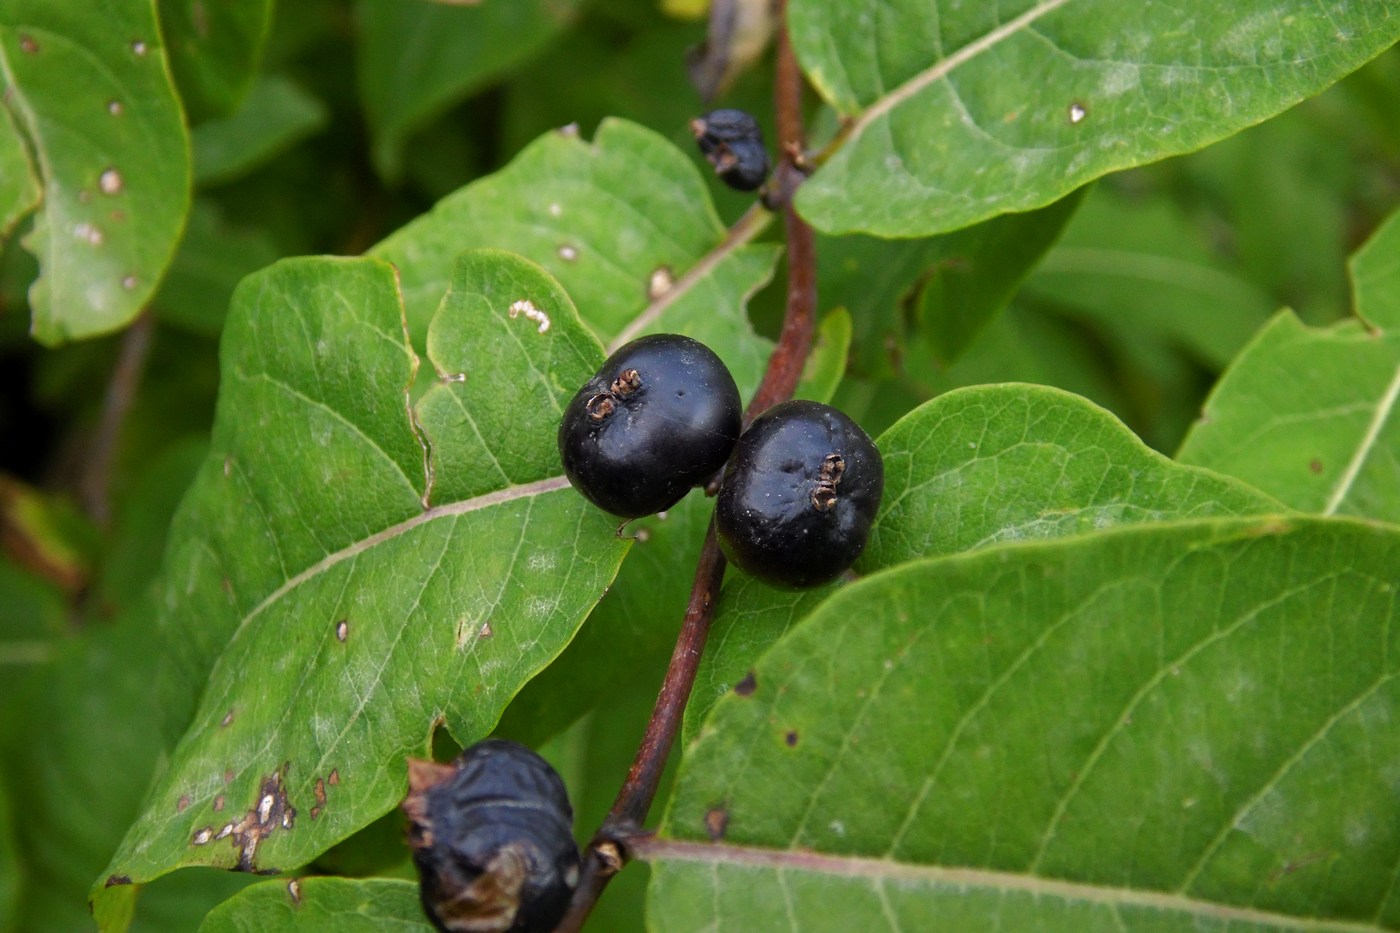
(609, 849)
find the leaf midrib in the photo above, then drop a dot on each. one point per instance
(654, 850)
(1384, 408)
(356, 548)
(943, 67)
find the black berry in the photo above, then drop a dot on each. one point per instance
(492, 837)
(733, 144)
(660, 417)
(799, 496)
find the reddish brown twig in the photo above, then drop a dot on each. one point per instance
(96, 480)
(608, 851)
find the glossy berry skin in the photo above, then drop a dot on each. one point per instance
(660, 417)
(733, 143)
(801, 491)
(492, 840)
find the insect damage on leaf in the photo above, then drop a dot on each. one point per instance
(270, 811)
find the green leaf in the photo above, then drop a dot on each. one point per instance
(214, 47)
(332, 905)
(276, 114)
(19, 189)
(947, 287)
(1141, 729)
(1310, 415)
(624, 223)
(417, 59)
(9, 868)
(973, 468)
(92, 96)
(346, 594)
(989, 464)
(826, 364)
(962, 112)
(1141, 270)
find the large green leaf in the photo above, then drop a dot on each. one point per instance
(214, 47)
(616, 221)
(964, 111)
(974, 468)
(945, 287)
(989, 464)
(1139, 269)
(1312, 415)
(416, 59)
(88, 87)
(1178, 726)
(348, 572)
(331, 905)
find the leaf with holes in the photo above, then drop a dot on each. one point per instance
(347, 571)
(961, 111)
(92, 97)
(1147, 728)
(626, 225)
(345, 905)
(1312, 415)
(416, 59)
(974, 468)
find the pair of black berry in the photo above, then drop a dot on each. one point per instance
(492, 839)
(802, 485)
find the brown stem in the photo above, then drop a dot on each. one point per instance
(799, 319)
(609, 849)
(95, 484)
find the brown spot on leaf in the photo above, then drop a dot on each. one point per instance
(791, 738)
(320, 793)
(182, 804)
(27, 45)
(747, 686)
(716, 822)
(1315, 465)
(219, 803)
(227, 720)
(334, 778)
(228, 775)
(294, 892)
(270, 811)
(114, 880)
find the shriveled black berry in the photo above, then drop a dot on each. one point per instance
(492, 840)
(660, 417)
(733, 144)
(799, 496)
